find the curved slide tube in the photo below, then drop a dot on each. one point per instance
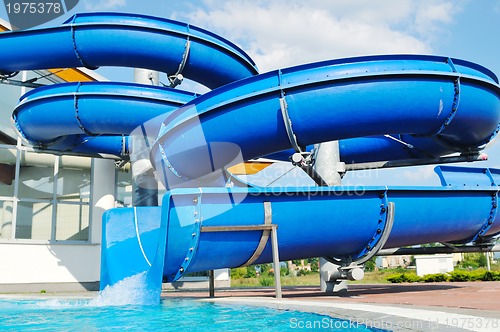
(343, 222)
(454, 105)
(83, 117)
(128, 40)
(111, 39)
(104, 38)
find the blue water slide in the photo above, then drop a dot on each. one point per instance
(446, 105)
(109, 38)
(381, 148)
(112, 39)
(341, 222)
(207, 228)
(92, 116)
(128, 40)
(378, 107)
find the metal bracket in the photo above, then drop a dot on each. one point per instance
(408, 145)
(268, 220)
(77, 116)
(479, 237)
(288, 126)
(176, 79)
(456, 99)
(267, 227)
(195, 235)
(6, 76)
(167, 163)
(376, 243)
(305, 161)
(449, 245)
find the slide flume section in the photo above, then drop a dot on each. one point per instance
(199, 226)
(93, 117)
(444, 105)
(128, 40)
(378, 107)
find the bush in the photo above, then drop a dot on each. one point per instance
(435, 277)
(250, 272)
(491, 276)
(314, 262)
(370, 264)
(303, 272)
(238, 272)
(473, 260)
(264, 269)
(455, 276)
(403, 277)
(459, 276)
(476, 275)
(266, 281)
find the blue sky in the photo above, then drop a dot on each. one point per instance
(282, 33)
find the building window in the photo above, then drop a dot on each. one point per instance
(45, 198)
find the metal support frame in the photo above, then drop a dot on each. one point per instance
(177, 78)
(267, 229)
(306, 162)
(288, 125)
(144, 183)
(268, 220)
(417, 162)
(327, 164)
(211, 283)
(439, 250)
(480, 236)
(351, 269)
(9, 81)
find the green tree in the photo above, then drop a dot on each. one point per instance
(314, 262)
(238, 273)
(473, 260)
(370, 264)
(264, 269)
(250, 272)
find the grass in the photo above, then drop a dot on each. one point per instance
(378, 277)
(306, 280)
(375, 277)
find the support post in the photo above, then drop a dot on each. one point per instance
(327, 163)
(328, 166)
(103, 194)
(276, 262)
(211, 283)
(144, 184)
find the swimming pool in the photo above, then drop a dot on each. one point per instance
(170, 315)
(130, 306)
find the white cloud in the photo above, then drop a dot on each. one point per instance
(104, 5)
(432, 16)
(282, 33)
(420, 174)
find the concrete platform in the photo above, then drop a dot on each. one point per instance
(468, 306)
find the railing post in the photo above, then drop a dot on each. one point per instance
(276, 262)
(211, 283)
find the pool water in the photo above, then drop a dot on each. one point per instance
(169, 315)
(130, 306)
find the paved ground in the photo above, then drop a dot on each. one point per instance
(473, 306)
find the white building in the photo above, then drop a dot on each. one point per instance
(51, 206)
